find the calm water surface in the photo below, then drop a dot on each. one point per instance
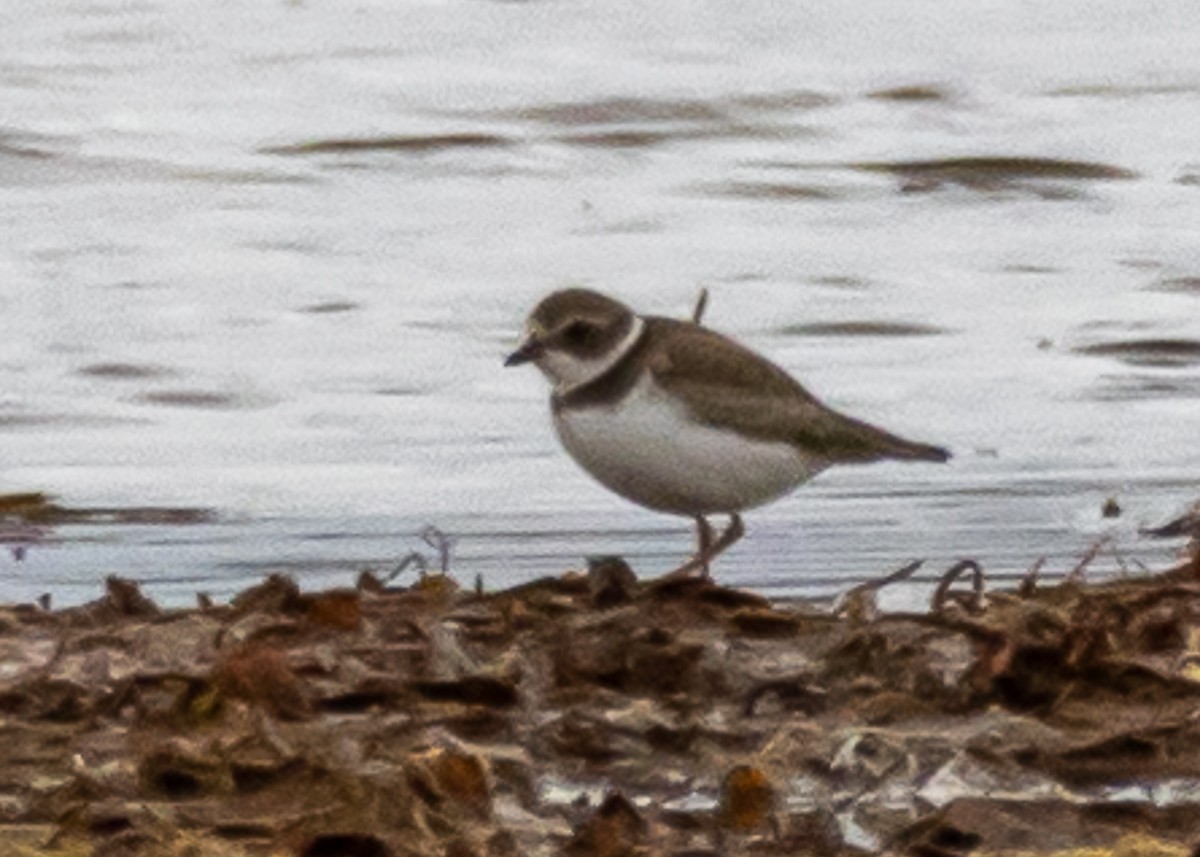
(267, 258)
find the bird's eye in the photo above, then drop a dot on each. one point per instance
(579, 332)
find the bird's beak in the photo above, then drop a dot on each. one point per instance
(531, 349)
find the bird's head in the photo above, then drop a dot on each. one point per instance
(574, 335)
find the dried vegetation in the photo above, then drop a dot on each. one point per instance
(593, 715)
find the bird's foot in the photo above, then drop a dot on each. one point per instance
(709, 549)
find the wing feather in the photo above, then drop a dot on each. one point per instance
(728, 386)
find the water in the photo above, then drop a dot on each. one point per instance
(267, 258)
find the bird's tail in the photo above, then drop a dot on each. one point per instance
(911, 450)
(846, 439)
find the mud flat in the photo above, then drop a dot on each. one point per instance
(596, 715)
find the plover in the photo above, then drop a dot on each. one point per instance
(683, 420)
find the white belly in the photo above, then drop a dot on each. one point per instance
(649, 452)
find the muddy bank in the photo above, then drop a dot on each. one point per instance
(596, 715)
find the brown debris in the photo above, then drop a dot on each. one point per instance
(974, 603)
(262, 677)
(178, 770)
(442, 776)
(610, 581)
(35, 507)
(747, 799)
(339, 611)
(126, 599)
(614, 830)
(979, 826)
(344, 845)
(596, 714)
(277, 594)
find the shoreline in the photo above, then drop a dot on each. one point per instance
(596, 714)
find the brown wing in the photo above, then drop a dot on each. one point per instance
(731, 387)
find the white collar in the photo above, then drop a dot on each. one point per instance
(625, 346)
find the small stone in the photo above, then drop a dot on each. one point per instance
(126, 598)
(759, 622)
(438, 585)
(747, 799)
(451, 775)
(610, 581)
(260, 675)
(277, 594)
(614, 830)
(462, 777)
(368, 582)
(339, 610)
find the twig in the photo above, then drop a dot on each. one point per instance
(701, 306)
(858, 603)
(1075, 575)
(1116, 554)
(978, 580)
(440, 542)
(437, 540)
(1029, 583)
(902, 573)
(414, 558)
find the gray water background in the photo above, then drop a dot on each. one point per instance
(266, 259)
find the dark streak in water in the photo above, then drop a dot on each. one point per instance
(124, 371)
(918, 92)
(1147, 352)
(1026, 268)
(190, 399)
(688, 118)
(1132, 388)
(1107, 91)
(797, 99)
(254, 568)
(643, 137)
(613, 111)
(841, 281)
(330, 307)
(1123, 324)
(24, 151)
(780, 191)
(243, 177)
(630, 139)
(992, 173)
(633, 226)
(744, 277)
(861, 328)
(20, 421)
(414, 144)
(625, 111)
(1179, 285)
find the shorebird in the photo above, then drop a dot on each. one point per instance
(680, 419)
